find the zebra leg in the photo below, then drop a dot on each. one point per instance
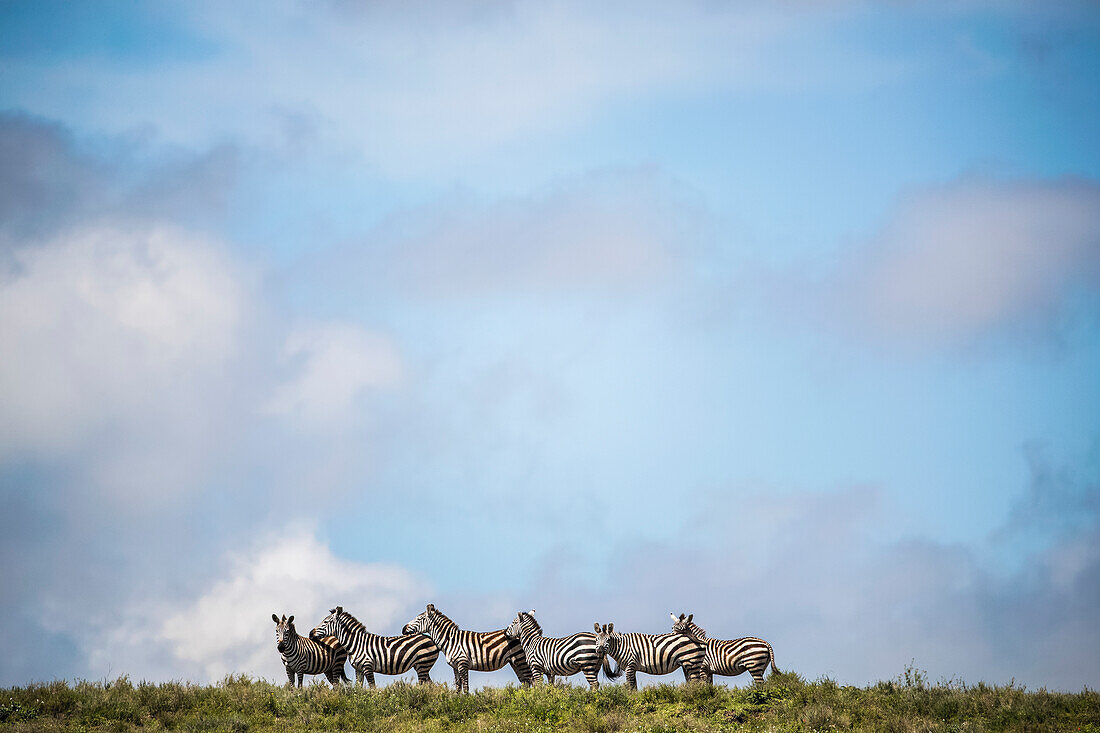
(358, 676)
(462, 677)
(710, 677)
(290, 677)
(422, 675)
(632, 677)
(369, 674)
(592, 675)
(300, 676)
(694, 673)
(757, 676)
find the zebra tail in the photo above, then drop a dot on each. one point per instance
(771, 652)
(611, 674)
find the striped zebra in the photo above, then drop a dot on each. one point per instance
(481, 651)
(729, 657)
(370, 653)
(563, 656)
(302, 655)
(655, 654)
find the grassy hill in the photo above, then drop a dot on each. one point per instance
(785, 703)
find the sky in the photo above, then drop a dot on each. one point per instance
(786, 315)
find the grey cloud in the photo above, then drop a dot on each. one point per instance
(50, 180)
(805, 572)
(613, 232)
(44, 182)
(976, 260)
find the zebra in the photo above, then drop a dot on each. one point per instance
(654, 654)
(565, 656)
(302, 655)
(370, 653)
(482, 651)
(729, 657)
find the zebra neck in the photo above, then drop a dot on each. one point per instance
(442, 630)
(351, 629)
(295, 648)
(527, 633)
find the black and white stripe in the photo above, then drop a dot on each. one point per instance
(302, 655)
(370, 653)
(559, 656)
(655, 654)
(481, 651)
(729, 657)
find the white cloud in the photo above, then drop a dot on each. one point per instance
(335, 363)
(228, 629)
(417, 87)
(107, 321)
(975, 258)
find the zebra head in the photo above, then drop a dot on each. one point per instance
(284, 631)
(329, 626)
(604, 641)
(683, 625)
(522, 618)
(422, 623)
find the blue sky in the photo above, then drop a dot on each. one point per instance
(783, 315)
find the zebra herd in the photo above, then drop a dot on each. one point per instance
(341, 637)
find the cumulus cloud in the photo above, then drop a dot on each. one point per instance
(978, 258)
(228, 628)
(333, 364)
(104, 320)
(225, 627)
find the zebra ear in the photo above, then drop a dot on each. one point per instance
(274, 618)
(431, 606)
(597, 626)
(532, 612)
(339, 609)
(690, 617)
(672, 616)
(290, 620)
(610, 628)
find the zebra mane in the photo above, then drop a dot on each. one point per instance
(524, 615)
(697, 631)
(442, 617)
(350, 622)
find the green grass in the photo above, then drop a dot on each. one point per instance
(785, 703)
